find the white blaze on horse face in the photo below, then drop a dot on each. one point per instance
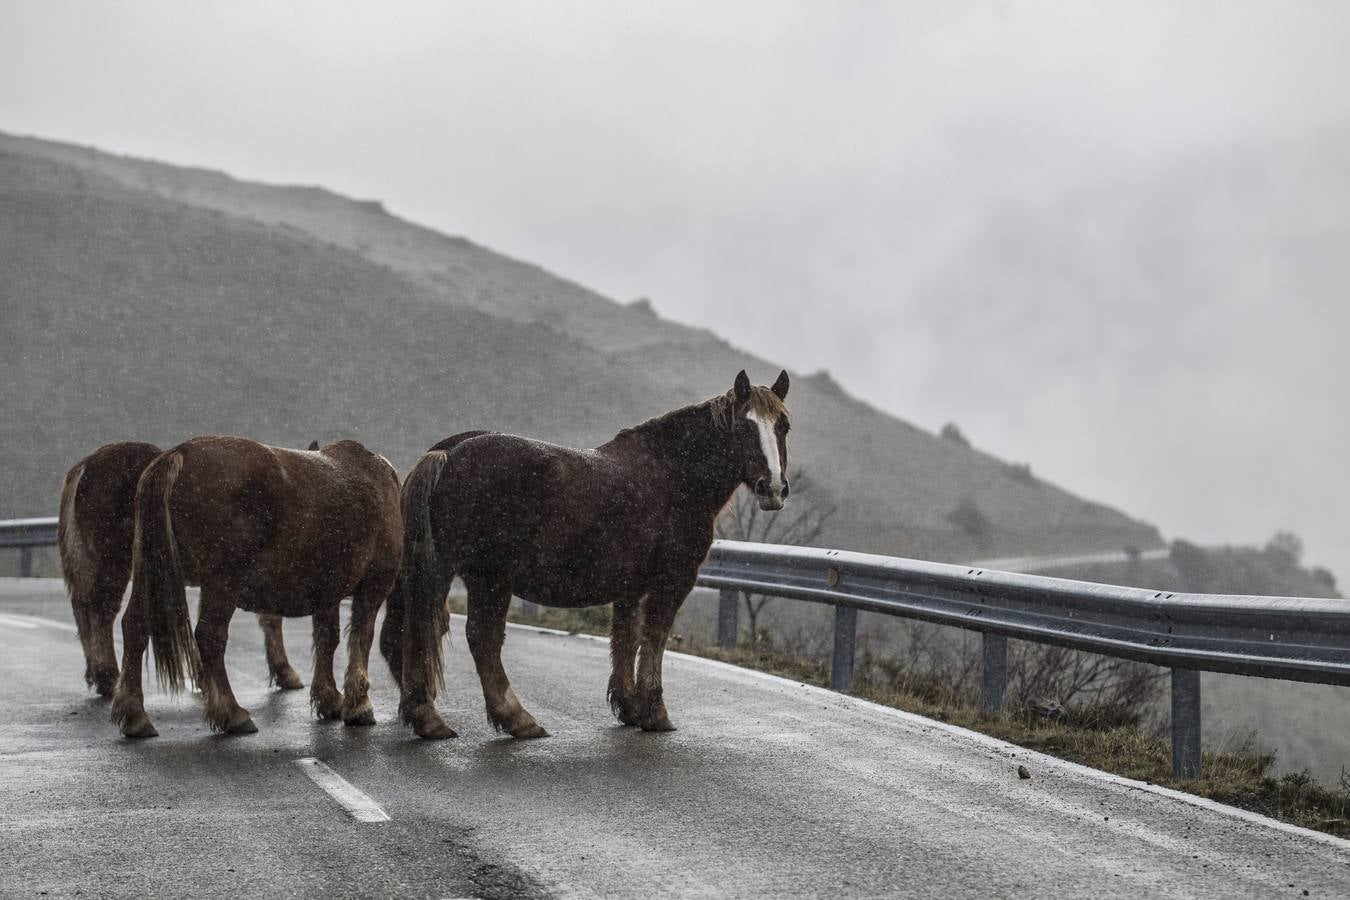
(768, 442)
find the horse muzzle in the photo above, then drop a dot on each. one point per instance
(770, 496)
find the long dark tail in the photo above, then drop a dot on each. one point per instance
(76, 568)
(157, 578)
(423, 582)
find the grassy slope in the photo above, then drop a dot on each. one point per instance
(154, 301)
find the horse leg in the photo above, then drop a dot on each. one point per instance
(128, 705)
(623, 647)
(324, 697)
(95, 614)
(356, 706)
(223, 712)
(421, 675)
(391, 634)
(658, 617)
(486, 630)
(279, 669)
(80, 607)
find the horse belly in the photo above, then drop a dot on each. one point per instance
(577, 583)
(284, 587)
(288, 604)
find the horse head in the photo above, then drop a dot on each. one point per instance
(759, 435)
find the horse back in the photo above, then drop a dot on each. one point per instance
(570, 527)
(285, 523)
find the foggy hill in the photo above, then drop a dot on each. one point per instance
(142, 300)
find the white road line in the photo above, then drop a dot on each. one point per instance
(15, 620)
(361, 807)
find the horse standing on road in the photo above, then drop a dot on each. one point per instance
(628, 523)
(269, 530)
(95, 527)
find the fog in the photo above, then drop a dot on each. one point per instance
(1106, 241)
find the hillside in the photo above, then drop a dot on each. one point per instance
(142, 300)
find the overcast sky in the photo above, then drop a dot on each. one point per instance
(809, 180)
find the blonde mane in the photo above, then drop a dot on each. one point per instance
(762, 402)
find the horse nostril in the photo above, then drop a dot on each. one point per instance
(762, 487)
(786, 488)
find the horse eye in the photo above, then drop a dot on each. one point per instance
(783, 427)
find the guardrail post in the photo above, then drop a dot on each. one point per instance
(845, 633)
(25, 562)
(994, 676)
(728, 618)
(1185, 723)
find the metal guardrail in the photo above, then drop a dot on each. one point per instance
(1294, 639)
(27, 534)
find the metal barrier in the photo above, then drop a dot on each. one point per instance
(27, 534)
(1295, 639)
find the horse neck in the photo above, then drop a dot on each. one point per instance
(690, 452)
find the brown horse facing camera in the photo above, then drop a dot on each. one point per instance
(269, 530)
(628, 523)
(95, 527)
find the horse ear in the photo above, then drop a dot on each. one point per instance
(313, 445)
(780, 387)
(742, 387)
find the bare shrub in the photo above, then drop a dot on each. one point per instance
(970, 519)
(950, 432)
(943, 668)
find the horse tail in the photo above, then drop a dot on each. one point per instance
(391, 633)
(69, 543)
(77, 569)
(158, 592)
(422, 584)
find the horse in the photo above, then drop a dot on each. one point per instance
(95, 527)
(269, 530)
(628, 523)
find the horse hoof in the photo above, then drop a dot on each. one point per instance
(435, 731)
(360, 719)
(104, 685)
(329, 708)
(662, 724)
(140, 729)
(289, 680)
(245, 726)
(533, 730)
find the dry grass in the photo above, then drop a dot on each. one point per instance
(1240, 778)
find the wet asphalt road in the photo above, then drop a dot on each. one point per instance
(767, 789)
